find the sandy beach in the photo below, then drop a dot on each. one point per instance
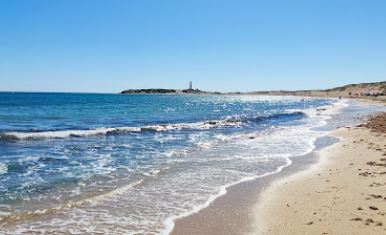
(192, 117)
(339, 189)
(343, 194)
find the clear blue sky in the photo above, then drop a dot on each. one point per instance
(239, 45)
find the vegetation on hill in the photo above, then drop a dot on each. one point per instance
(166, 91)
(351, 90)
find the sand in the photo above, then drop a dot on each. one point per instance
(344, 193)
(233, 212)
(340, 189)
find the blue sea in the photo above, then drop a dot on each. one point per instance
(130, 164)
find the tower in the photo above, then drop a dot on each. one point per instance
(190, 85)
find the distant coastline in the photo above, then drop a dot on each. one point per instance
(168, 91)
(361, 90)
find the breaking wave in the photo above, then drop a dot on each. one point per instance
(231, 121)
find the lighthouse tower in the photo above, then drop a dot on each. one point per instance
(190, 85)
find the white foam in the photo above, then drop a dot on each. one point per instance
(152, 173)
(187, 189)
(284, 137)
(169, 222)
(110, 130)
(3, 168)
(161, 138)
(68, 133)
(229, 121)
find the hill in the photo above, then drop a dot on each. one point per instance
(352, 90)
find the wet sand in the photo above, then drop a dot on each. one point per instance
(345, 193)
(233, 213)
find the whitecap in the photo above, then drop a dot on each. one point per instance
(3, 168)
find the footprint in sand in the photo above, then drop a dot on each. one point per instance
(369, 221)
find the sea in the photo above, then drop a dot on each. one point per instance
(132, 164)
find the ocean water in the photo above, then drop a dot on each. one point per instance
(130, 164)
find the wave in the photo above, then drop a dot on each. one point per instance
(169, 223)
(3, 168)
(64, 133)
(230, 121)
(288, 116)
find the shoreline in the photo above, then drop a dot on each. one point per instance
(223, 192)
(232, 213)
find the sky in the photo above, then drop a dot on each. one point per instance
(220, 45)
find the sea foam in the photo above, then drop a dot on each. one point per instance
(229, 121)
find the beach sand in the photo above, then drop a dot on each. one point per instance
(345, 193)
(340, 189)
(233, 213)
